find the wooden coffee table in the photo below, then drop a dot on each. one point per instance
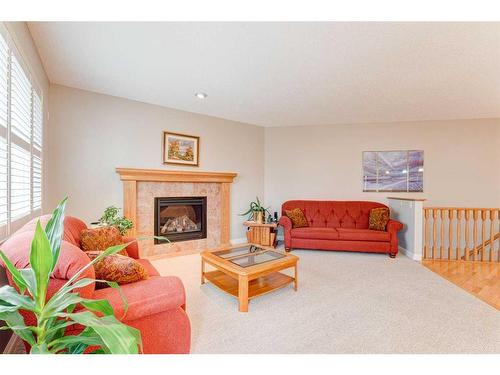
(246, 275)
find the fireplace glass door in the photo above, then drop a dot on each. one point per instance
(180, 218)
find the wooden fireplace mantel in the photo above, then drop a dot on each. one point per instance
(132, 176)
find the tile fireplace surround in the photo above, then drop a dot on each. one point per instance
(142, 186)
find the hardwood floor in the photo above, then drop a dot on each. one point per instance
(478, 278)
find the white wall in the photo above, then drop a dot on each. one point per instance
(91, 134)
(462, 161)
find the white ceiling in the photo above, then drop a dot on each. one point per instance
(285, 74)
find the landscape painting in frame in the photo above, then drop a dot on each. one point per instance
(180, 149)
(397, 171)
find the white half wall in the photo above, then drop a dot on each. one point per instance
(91, 134)
(461, 159)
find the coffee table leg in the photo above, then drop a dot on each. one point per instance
(296, 281)
(243, 293)
(202, 272)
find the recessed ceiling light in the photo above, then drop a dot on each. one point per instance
(200, 95)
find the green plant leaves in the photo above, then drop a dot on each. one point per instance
(16, 275)
(255, 206)
(39, 349)
(29, 277)
(116, 336)
(98, 305)
(41, 261)
(54, 230)
(9, 295)
(76, 344)
(110, 217)
(14, 319)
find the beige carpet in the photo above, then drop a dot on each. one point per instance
(346, 303)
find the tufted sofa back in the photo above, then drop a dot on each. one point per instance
(334, 214)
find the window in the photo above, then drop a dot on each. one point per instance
(21, 125)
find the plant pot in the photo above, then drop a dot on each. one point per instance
(258, 217)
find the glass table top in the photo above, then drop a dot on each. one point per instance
(247, 256)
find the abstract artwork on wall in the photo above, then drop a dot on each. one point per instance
(180, 149)
(398, 171)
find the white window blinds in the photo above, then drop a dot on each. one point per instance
(21, 129)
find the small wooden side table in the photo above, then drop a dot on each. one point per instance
(261, 234)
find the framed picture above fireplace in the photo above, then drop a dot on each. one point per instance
(181, 149)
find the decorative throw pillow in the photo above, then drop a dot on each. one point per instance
(118, 268)
(379, 217)
(99, 239)
(297, 217)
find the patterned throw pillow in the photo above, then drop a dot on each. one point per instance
(118, 268)
(379, 217)
(99, 239)
(297, 217)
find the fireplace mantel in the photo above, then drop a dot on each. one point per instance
(135, 179)
(133, 174)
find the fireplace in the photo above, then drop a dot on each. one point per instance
(180, 218)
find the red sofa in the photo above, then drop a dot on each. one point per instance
(156, 305)
(339, 225)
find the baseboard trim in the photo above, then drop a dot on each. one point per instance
(237, 241)
(410, 254)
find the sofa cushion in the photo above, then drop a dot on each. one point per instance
(99, 239)
(363, 235)
(297, 217)
(118, 268)
(72, 227)
(315, 233)
(379, 217)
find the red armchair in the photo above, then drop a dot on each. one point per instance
(156, 305)
(339, 225)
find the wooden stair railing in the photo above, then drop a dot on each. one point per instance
(482, 246)
(461, 233)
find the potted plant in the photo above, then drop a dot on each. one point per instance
(256, 211)
(110, 217)
(102, 330)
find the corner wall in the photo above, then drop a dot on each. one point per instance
(91, 134)
(461, 161)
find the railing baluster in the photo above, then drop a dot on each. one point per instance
(492, 227)
(466, 249)
(434, 232)
(450, 232)
(483, 232)
(426, 231)
(498, 217)
(474, 216)
(459, 238)
(441, 240)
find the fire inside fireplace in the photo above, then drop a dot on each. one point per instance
(180, 218)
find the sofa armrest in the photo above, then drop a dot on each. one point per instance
(393, 226)
(145, 298)
(133, 248)
(286, 223)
